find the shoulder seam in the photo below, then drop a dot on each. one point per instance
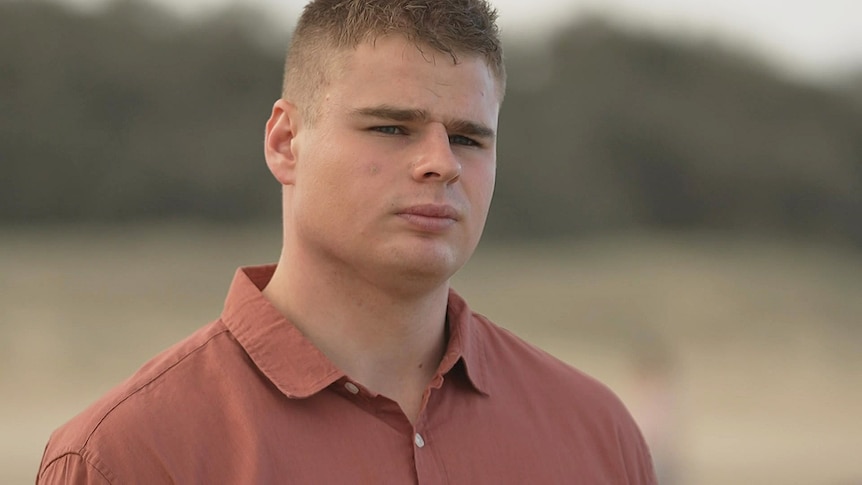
(148, 382)
(82, 457)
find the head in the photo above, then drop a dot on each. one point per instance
(329, 29)
(385, 138)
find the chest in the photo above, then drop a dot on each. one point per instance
(460, 438)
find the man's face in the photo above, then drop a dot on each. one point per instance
(394, 178)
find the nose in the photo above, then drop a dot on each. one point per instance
(435, 161)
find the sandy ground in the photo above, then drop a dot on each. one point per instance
(741, 359)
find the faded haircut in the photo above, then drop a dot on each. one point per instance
(328, 29)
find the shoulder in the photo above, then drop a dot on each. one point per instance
(577, 411)
(135, 405)
(74, 468)
(505, 350)
(517, 366)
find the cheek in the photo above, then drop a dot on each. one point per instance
(341, 185)
(482, 179)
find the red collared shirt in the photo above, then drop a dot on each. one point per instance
(248, 399)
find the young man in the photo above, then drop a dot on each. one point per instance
(351, 360)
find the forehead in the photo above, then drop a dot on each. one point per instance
(392, 69)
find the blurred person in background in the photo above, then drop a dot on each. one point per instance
(655, 404)
(352, 360)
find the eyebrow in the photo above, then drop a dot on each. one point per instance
(402, 115)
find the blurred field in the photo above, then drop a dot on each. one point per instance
(759, 342)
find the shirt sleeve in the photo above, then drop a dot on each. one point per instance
(70, 469)
(639, 461)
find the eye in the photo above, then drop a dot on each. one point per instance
(463, 140)
(389, 130)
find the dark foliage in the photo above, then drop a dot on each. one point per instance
(111, 118)
(131, 114)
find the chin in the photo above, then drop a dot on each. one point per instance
(428, 266)
(433, 259)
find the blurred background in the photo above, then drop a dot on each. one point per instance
(678, 210)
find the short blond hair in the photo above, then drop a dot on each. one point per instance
(327, 30)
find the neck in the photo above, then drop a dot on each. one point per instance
(389, 340)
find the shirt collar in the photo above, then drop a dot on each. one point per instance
(298, 368)
(278, 348)
(464, 344)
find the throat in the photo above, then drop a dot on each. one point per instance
(404, 375)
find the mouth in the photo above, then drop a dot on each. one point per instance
(430, 217)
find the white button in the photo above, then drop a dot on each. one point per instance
(352, 388)
(418, 440)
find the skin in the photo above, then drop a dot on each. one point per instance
(385, 196)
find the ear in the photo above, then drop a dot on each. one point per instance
(279, 145)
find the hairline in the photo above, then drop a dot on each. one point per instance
(337, 55)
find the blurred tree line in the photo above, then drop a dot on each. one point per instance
(132, 114)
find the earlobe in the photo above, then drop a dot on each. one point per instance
(279, 144)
